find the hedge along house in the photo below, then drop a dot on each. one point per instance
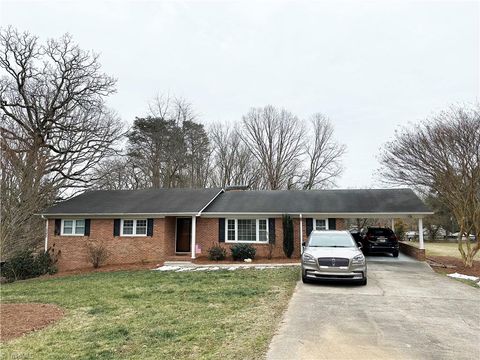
(160, 224)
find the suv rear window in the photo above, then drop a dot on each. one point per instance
(380, 232)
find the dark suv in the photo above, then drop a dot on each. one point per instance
(379, 240)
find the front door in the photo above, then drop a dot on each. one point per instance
(184, 232)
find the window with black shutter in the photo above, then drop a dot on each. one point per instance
(221, 230)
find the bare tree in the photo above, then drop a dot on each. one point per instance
(167, 107)
(55, 126)
(233, 162)
(275, 137)
(442, 156)
(118, 173)
(323, 154)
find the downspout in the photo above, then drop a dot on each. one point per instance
(46, 233)
(301, 235)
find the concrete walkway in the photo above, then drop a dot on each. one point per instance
(389, 258)
(405, 312)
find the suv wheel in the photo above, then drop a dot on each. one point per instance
(364, 281)
(395, 253)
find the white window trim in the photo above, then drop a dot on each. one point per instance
(257, 232)
(74, 227)
(315, 223)
(134, 228)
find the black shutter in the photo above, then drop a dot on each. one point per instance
(149, 227)
(309, 225)
(116, 227)
(271, 230)
(332, 224)
(58, 226)
(87, 227)
(221, 230)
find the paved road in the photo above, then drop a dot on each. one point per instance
(405, 312)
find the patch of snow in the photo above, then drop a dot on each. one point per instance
(216, 268)
(167, 268)
(462, 276)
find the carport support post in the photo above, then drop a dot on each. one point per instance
(420, 233)
(393, 225)
(46, 234)
(194, 235)
(301, 235)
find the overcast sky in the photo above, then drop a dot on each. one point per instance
(369, 66)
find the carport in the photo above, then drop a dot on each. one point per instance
(388, 204)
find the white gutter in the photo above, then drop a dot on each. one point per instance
(118, 214)
(337, 215)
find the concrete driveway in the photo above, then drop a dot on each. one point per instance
(406, 311)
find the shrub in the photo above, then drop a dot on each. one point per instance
(46, 262)
(287, 236)
(217, 253)
(25, 264)
(400, 230)
(243, 251)
(97, 254)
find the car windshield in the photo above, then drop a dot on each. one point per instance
(331, 240)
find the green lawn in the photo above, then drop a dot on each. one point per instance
(442, 249)
(155, 315)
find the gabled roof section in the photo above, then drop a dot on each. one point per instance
(149, 201)
(361, 201)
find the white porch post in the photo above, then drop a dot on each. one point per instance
(420, 233)
(46, 235)
(393, 225)
(301, 235)
(194, 235)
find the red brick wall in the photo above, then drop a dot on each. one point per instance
(207, 236)
(121, 249)
(126, 250)
(341, 224)
(170, 231)
(412, 251)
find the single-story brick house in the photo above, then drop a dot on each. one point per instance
(159, 224)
